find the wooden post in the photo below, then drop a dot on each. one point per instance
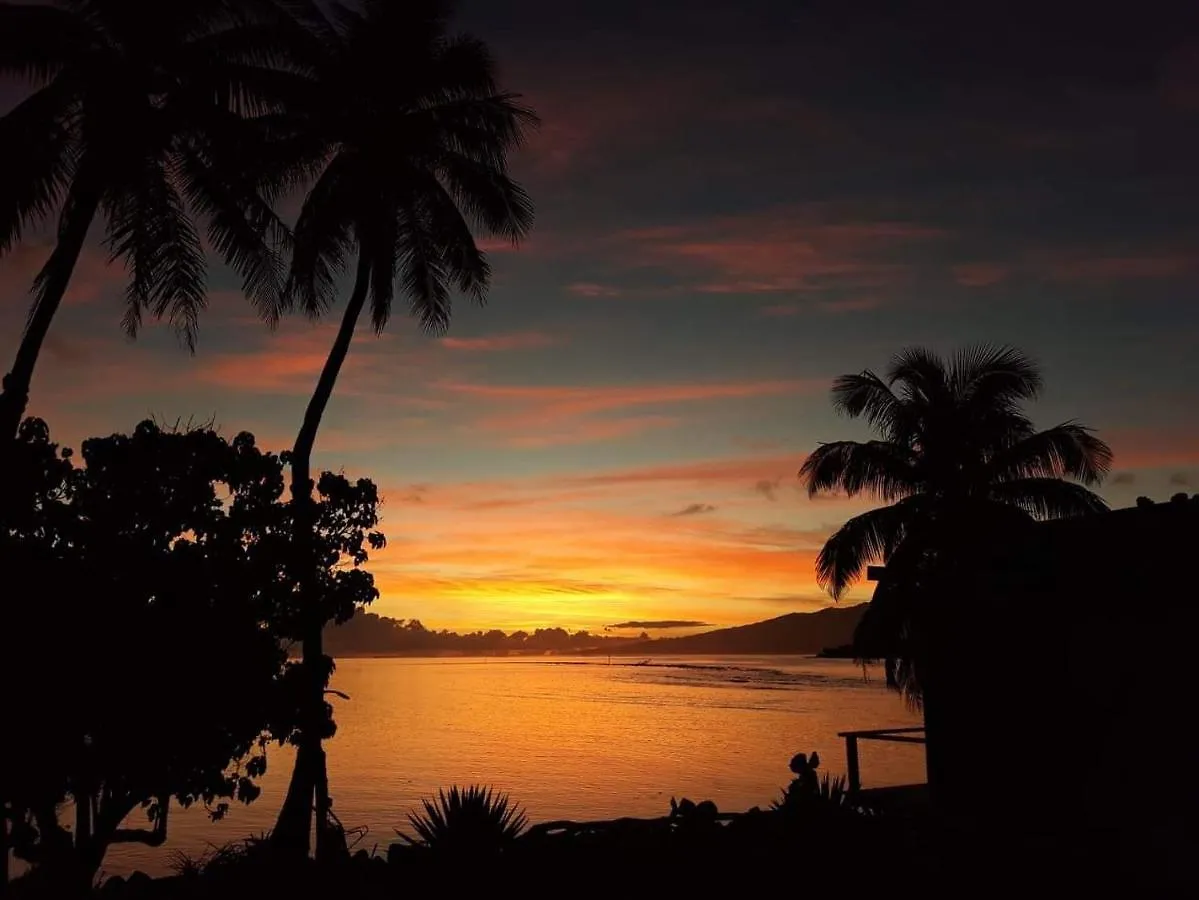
(851, 763)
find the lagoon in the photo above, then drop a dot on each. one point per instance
(569, 738)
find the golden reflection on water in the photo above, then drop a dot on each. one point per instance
(575, 739)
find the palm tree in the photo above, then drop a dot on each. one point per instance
(142, 114)
(413, 134)
(958, 462)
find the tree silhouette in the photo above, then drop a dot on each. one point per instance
(143, 115)
(957, 461)
(413, 134)
(161, 592)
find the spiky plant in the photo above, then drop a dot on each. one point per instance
(474, 820)
(828, 790)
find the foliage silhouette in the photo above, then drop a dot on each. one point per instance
(409, 136)
(144, 120)
(473, 821)
(809, 791)
(373, 635)
(957, 460)
(163, 599)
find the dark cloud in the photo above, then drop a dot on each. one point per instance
(416, 494)
(1181, 479)
(695, 509)
(1124, 478)
(769, 487)
(656, 624)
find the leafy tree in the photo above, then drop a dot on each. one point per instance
(409, 134)
(160, 587)
(957, 462)
(142, 114)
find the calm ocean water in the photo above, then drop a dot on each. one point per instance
(569, 738)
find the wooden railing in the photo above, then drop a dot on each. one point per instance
(895, 735)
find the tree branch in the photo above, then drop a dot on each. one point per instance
(151, 837)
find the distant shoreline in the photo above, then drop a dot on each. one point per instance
(569, 653)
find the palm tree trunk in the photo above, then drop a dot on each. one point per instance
(14, 397)
(61, 265)
(309, 778)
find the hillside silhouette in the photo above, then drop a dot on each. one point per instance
(793, 633)
(368, 634)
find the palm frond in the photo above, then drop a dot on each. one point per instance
(869, 537)
(39, 160)
(496, 203)
(868, 396)
(995, 376)
(381, 246)
(149, 227)
(468, 264)
(1069, 450)
(323, 237)
(922, 376)
(242, 226)
(883, 470)
(1048, 498)
(38, 41)
(423, 271)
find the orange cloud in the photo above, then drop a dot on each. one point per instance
(529, 340)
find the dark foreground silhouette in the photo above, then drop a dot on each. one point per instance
(817, 836)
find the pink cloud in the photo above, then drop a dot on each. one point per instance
(590, 289)
(979, 275)
(575, 400)
(529, 340)
(841, 305)
(779, 251)
(94, 276)
(738, 471)
(1149, 266)
(780, 310)
(543, 416)
(553, 432)
(863, 303)
(500, 245)
(589, 107)
(1154, 448)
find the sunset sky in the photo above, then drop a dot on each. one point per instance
(736, 202)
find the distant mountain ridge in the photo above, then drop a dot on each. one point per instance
(368, 634)
(793, 633)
